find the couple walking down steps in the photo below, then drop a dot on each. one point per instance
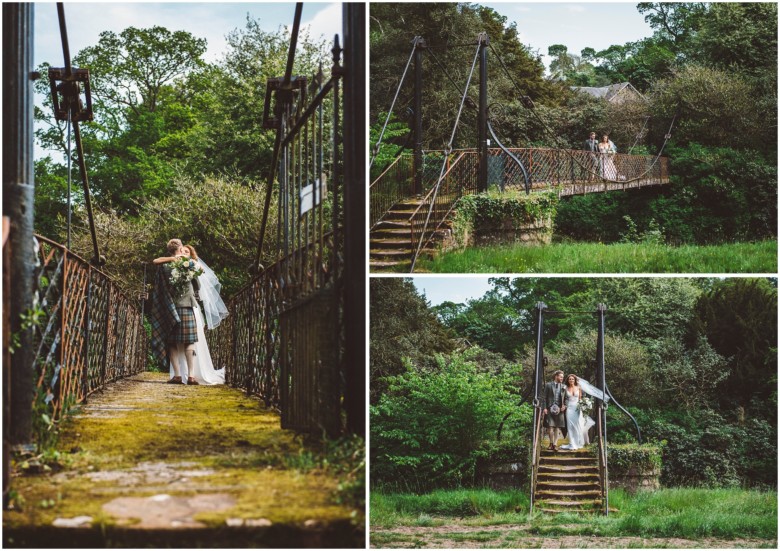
(178, 325)
(563, 409)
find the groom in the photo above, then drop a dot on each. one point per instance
(553, 395)
(173, 320)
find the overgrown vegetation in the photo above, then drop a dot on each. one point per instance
(643, 257)
(668, 513)
(177, 148)
(509, 214)
(694, 360)
(712, 67)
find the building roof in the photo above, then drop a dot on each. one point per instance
(611, 92)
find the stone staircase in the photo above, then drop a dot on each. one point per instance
(568, 481)
(391, 238)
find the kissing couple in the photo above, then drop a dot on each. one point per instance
(178, 329)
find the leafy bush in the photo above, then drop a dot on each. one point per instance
(431, 428)
(621, 458)
(703, 448)
(678, 371)
(492, 209)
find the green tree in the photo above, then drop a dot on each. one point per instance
(228, 135)
(220, 219)
(446, 27)
(142, 114)
(674, 22)
(402, 326)
(488, 322)
(431, 428)
(738, 317)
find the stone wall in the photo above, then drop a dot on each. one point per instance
(635, 479)
(510, 231)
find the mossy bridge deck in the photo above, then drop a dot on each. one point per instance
(145, 463)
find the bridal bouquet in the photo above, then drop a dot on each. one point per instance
(586, 405)
(183, 270)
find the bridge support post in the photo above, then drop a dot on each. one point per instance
(354, 18)
(482, 176)
(419, 45)
(538, 383)
(601, 383)
(18, 191)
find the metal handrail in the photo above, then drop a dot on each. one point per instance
(602, 453)
(391, 165)
(430, 198)
(536, 453)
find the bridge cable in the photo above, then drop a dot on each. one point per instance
(447, 151)
(639, 135)
(532, 109)
(67, 94)
(512, 156)
(70, 179)
(375, 152)
(256, 267)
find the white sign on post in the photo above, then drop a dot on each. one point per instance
(310, 196)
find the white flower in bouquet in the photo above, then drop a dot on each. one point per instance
(586, 405)
(183, 271)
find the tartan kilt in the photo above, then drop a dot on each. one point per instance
(185, 332)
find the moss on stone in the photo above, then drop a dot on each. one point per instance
(142, 429)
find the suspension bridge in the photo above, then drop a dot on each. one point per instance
(140, 463)
(571, 481)
(413, 198)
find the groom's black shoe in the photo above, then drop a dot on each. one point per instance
(175, 381)
(192, 381)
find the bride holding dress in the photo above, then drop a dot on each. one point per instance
(214, 311)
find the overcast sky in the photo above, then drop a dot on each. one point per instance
(209, 20)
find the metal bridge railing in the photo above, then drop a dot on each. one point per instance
(394, 184)
(284, 339)
(89, 332)
(576, 170)
(456, 181)
(572, 172)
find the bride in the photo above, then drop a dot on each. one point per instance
(577, 424)
(215, 311)
(607, 150)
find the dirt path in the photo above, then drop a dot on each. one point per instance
(178, 464)
(517, 536)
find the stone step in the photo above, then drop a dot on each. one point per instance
(390, 266)
(396, 254)
(555, 485)
(570, 459)
(392, 224)
(566, 503)
(567, 494)
(390, 243)
(574, 477)
(585, 469)
(585, 452)
(404, 229)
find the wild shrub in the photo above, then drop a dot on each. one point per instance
(429, 429)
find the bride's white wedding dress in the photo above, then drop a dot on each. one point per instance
(577, 424)
(215, 311)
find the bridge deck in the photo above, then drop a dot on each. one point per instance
(149, 464)
(583, 187)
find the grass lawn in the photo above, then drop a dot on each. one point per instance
(760, 257)
(676, 518)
